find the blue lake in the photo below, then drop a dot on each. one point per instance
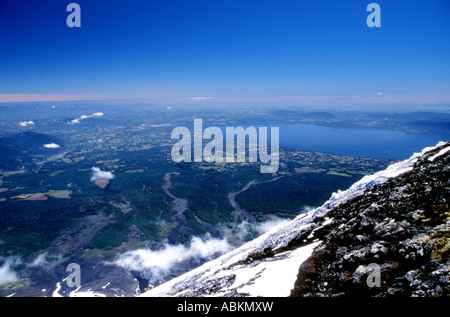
(362, 142)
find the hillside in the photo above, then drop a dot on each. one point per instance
(18, 150)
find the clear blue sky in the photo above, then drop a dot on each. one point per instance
(225, 48)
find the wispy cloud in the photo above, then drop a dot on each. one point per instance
(44, 261)
(83, 117)
(160, 263)
(200, 98)
(245, 230)
(7, 270)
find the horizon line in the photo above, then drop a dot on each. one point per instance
(376, 97)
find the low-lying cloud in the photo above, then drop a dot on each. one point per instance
(12, 267)
(200, 98)
(77, 120)
(157, 264)
(52, 146)
(26, 123)
(7, 270)
(98, 173)
(45, 261)
(269, 225)
(245, 231)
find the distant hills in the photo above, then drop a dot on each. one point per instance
(18, 150)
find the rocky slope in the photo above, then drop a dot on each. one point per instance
(387, 235)
(402, 226)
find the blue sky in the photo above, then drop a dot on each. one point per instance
(229, 50)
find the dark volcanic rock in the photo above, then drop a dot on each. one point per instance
(400, 228)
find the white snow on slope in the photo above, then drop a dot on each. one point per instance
(275, 280)
(441, 152)
(257, 278)
(369, 181)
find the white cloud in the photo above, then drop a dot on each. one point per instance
(245, 230)
(269, 225)
(77, 120)
(52, 146)
(98, 173)
(307, 209)
(40, 260)
(7, 274)
(13, 265)
(44, 260)
(156, 264)
(26, 123)
(200, 98)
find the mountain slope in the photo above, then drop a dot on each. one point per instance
(402, 226)
(19, 149)
(406, 205)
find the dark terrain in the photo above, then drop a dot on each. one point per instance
(402, 225)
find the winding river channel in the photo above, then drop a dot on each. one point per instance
(238, 210)
(180, 206)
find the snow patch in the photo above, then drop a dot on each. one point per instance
(277, 277)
